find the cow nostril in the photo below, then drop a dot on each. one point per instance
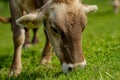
(67, 67)
(70, 69)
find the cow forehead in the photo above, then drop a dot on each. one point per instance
(62, 14)
(59, 9)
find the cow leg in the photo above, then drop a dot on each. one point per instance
(115, 7)
(27, 38)
(35, 38)
(18, 38)
(46, 54)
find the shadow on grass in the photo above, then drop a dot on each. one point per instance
(42, 72)
(5, 61)
(36, 75)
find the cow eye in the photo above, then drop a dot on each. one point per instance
(55, 31)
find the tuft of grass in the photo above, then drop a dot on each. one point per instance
(101, 47)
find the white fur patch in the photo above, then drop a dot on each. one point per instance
(65, 67)
(22, 31)
(83, 64)
(29, 17)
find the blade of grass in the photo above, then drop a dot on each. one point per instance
(108, 74)
(101, 77)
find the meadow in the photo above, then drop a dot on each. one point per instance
(101, 47)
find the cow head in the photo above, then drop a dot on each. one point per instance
(64, 22)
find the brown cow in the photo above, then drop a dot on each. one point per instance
(64, 22)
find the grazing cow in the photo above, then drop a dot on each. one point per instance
(116, 5)
(64, 21)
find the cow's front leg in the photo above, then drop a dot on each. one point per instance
(18, 39)
(46, 54)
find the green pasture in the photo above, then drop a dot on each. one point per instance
(101, 47)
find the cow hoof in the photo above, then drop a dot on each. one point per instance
(26, 46)
(14, 73)
(45, 61)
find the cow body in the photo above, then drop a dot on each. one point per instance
(64, 22)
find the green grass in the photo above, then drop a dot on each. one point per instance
(101, 46)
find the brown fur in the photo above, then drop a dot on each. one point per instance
(71, 26)
(69, 22)
(63, 1)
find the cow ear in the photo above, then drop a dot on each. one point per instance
(33, 19)
(89, 8)
(29, 20)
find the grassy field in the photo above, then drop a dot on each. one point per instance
(101, 46)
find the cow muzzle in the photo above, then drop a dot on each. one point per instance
(69, 67)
